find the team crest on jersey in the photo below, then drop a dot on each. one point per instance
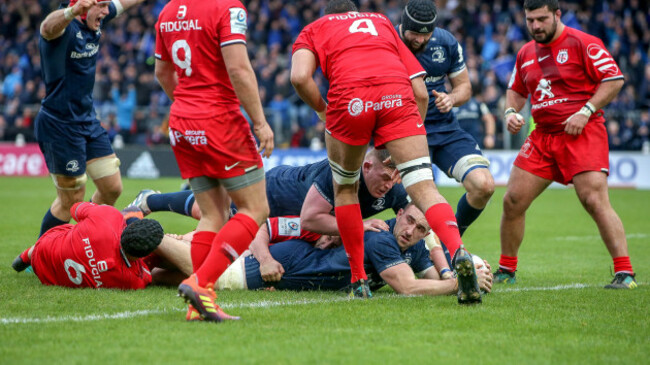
(72, 166)
(379, 204)
(79, 35)
(289, 227)
(563, 56)
(544, 87)
(438, 55)
(238, 21)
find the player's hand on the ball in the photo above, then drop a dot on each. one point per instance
(271, 270)
(514, 122)
(443, 101)
(375, 225)
(575, 124)
(265, 136)
(484, 280)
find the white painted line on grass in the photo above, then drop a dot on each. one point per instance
(260, 304)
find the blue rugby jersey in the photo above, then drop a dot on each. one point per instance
(287, 187)
(68, 69)
(442, 56)
(309, 268)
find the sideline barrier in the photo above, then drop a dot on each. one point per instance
(627, 169)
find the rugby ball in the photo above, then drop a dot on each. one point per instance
(478, 263)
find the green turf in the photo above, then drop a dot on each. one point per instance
(581, 323)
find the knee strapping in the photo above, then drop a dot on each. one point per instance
(103, 167)
(467, 164)
(414, 171)
(342, 176)
(79, 182)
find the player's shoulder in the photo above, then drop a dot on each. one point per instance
(442, 37)
(582, 37)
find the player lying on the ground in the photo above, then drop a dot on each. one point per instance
(391, 257)
(101, 251)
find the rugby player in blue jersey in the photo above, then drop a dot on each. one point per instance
(392, 257)
(70, 137)
(452, 149)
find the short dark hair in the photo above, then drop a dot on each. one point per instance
(340, 6)
(141, 237)
(553, 5)
(380, 155)
(419, 16)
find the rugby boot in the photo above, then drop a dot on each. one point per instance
(504, 276)
(622, 280)
(19, 265)
(203, 300)
(140, 201)
(468, 289)
(192, 314)
(360, 289)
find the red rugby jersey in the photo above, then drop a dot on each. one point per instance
(562, 76)
(359, 49)
(190, 34)
(87, 254)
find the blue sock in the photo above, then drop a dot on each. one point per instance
(49, 221)
(465, 214)
(179, 202)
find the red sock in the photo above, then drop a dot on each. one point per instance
(233, 239)
(508, 263)
(442, 221)
(350, 223)
(200, 247)
(25, 256)
(623, 264)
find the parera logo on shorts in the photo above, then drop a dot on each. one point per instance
(72, 166)
(355, 107)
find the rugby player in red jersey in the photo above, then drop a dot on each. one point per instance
(202, 64)
(569, 76)
(376, 91)
(100, 251)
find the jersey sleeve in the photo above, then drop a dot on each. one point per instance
(516, 83)
(287, 228)
(323, 184)
(161, 52)
(305, 40)
(135, 277)
(232, 24)
(115, 8)
(420, 260)
(599, 63)
(382, 250)
(457, 59)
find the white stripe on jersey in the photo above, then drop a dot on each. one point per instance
(232, 42)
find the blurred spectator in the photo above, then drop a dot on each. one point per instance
(125, 108)
(490, 32)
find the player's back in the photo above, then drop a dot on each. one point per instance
(355, 48)
(190, 34)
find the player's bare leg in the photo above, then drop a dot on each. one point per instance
(479, 185)
(591, 188)
(411, 156)
(66, 195)
(105, 173)
(523, 188)
(345, 161)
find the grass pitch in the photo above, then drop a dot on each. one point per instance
(556, 313)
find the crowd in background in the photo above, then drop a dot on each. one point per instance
(131, 105)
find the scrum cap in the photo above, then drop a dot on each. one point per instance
(140, 238)
(419, 16)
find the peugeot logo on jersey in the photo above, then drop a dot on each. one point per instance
(544, 87)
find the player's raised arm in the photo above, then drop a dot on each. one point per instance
(244, 82)
(55, 23)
